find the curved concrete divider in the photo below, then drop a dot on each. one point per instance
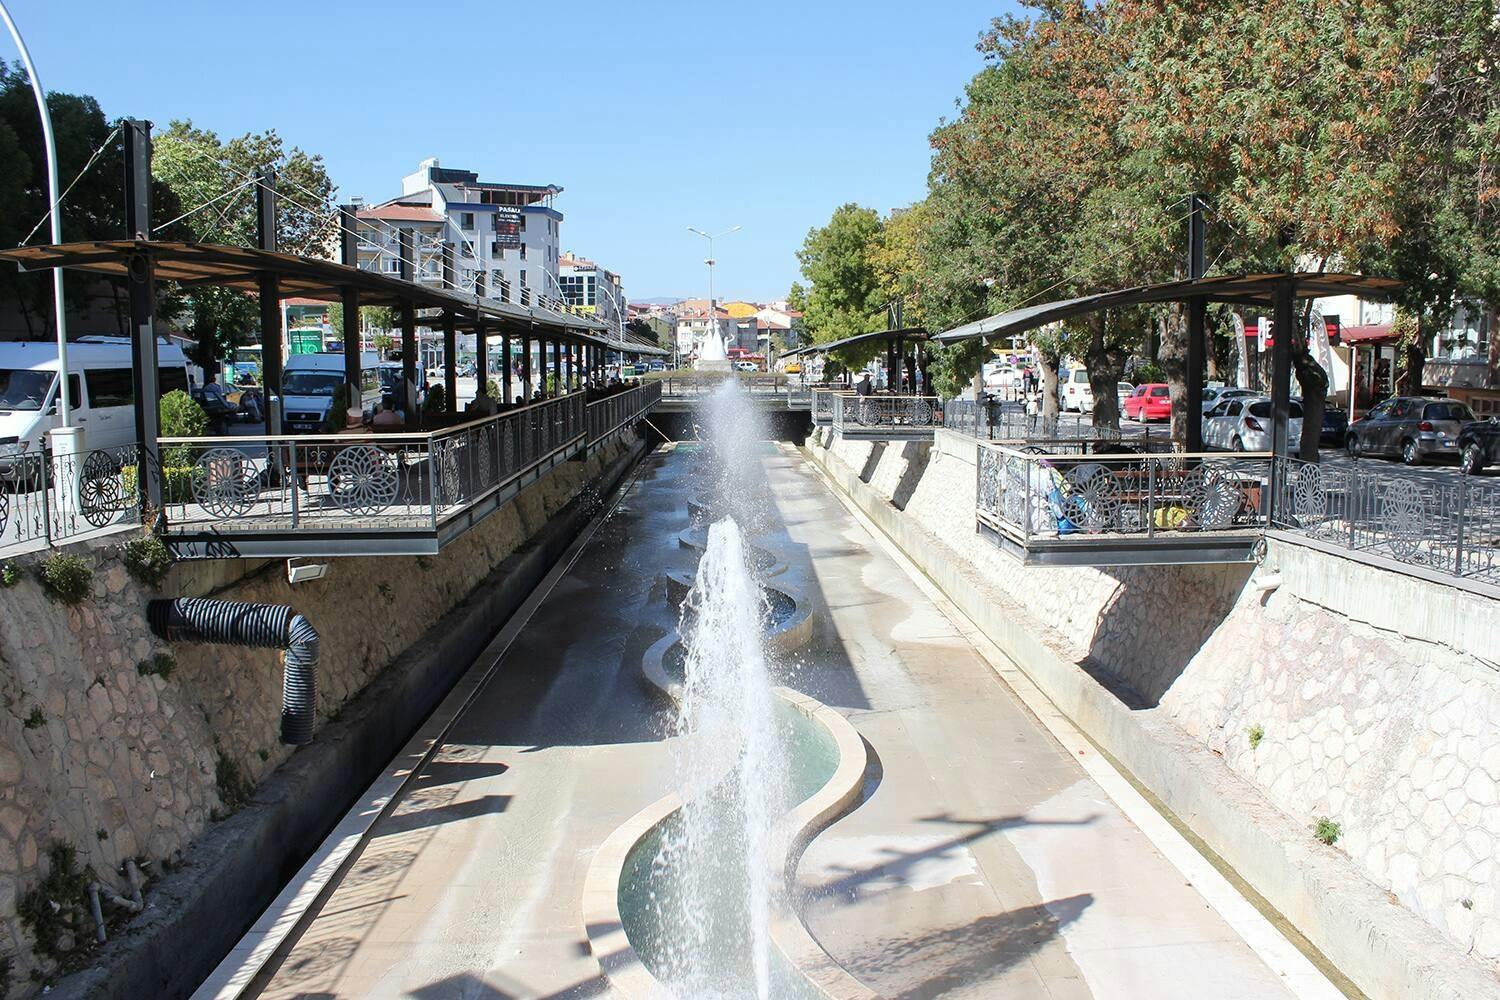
(603, 924)
(765, 562)
(795, 631)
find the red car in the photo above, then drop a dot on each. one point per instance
(1152, 401)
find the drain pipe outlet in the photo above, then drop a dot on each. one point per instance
(274, 626)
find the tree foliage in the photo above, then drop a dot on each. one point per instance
(843, 297)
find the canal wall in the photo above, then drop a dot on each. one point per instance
(110, 753)
(1348, 693)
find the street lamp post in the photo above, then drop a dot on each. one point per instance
(713, 319)
(64, 397)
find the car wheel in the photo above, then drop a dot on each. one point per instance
(1471, 459)
(1409, 453)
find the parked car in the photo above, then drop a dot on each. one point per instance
(1152, 401)
(1335, 426)
(1122, 390)
(308, 385)
(746, 366)
(1075, 392)
(1479, 445)
(1215, 394)
(793, 368)
(1412, 428)
(217, 406)
(1244, 424)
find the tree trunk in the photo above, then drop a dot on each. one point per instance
(1314, 382)
(1106, 367)
(1174, 363)
(1050, 362)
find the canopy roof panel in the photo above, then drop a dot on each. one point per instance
(1244, 289)
(912, 333)
(303, 277)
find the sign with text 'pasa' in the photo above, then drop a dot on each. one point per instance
(507, 227)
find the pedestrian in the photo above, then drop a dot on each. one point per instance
(1033, 407)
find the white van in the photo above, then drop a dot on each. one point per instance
(308, 382)
(101, 383)
(1075, 390)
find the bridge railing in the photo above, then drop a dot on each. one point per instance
(1028, 496)
(605, 416)
(886, 416)
(1449, 526)
(48, 499)
(362, 480)
(997, 420)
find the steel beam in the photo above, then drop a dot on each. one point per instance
(450, 336)
(271, 348)
(1197, 346)
(142, 285)
(349, 256)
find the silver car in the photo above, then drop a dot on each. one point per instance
(1244, 424)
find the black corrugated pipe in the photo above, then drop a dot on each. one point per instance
(197, 619)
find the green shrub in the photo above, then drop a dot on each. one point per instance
(176, 483)
(181, 416)
(159, 665)
(492, 389)
(66, 579)
(37, 719)
(55, 910)
(338, 409)
(1327, 831)
(147, 559)
(10, 575)
(1256, 734)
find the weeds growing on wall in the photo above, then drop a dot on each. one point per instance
(66, 579)
(158, 665)
(36, 720)
(1256, 733)
(234, 786)
(10, 575)
(1327, 831)
(56, 909)
(147, 559)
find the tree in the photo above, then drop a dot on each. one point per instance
(896, 255)
(844, 297)
(219, 179)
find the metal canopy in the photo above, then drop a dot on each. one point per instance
(912, 333)
(241, 268)
(1245, 289)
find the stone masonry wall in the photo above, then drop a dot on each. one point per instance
(1374, 697)
(118, 764)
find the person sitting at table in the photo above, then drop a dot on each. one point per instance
(387, 417)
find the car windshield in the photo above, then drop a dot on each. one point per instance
(1262, 408)
(23, 389)
(1161, 390)
(1080, 376)
(1447, 411)
(310, 384)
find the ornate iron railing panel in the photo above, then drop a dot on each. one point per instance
(1448, 526)
(605, 416)
(822, 405)
(359, 481)
(46, 499)
(1028, 495)
(886, 416)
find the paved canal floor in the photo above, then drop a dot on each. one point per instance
(984, 861)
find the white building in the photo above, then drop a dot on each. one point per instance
(591, 290)
(505, 237)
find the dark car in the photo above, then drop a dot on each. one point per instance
(1335, 426)
(1411, 428)
(1479, 445)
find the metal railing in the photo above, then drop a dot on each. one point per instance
(360, 480)
(1026, 494)
(891, 416)
(1449, 526)
(822, 406)
(694, 386)
(995, 420)
(605, 416)
(46, 499)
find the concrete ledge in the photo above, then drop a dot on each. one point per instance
(791, 634)
(1385, 949)
(195, 916)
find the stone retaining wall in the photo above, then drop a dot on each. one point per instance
(1373, 697)
(117, 763)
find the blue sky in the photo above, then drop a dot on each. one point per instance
(652, 116)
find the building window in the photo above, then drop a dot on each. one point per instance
(523, 251)
(466, 220)
(392, 264)
(523, 224)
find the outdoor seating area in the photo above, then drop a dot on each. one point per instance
(1099, 507)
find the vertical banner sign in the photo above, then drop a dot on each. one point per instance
(1317, 338)
(1263, 331)
(1241, 355)
(508, 227)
